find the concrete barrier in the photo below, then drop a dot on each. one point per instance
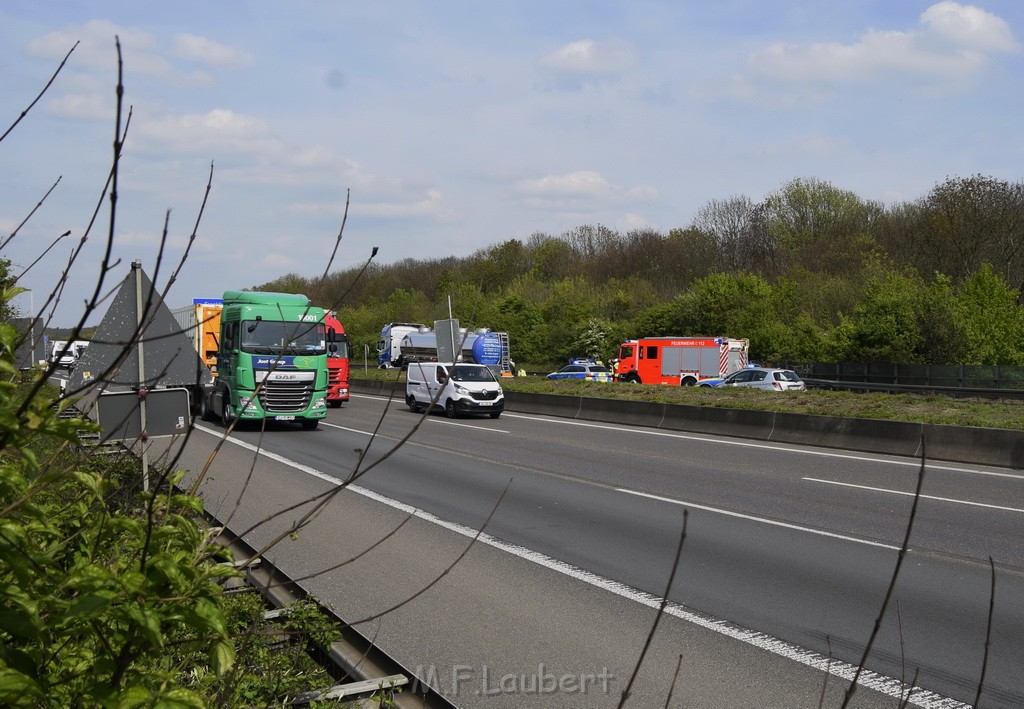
(962, 444)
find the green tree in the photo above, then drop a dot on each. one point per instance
(886, 326)
(992, 320)
(818, 226)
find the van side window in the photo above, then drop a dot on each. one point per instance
(441, 374)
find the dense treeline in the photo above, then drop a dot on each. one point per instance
(811, 273)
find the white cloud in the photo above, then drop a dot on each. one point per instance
(90, 106)
(587, 56)
(280, 261)
(954, 43)
(969, 26)
(581, 184)
(430, 206)
(218, 131)
(96, 50)
(207, 51)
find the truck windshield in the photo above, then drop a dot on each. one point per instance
(287, 338)
(461, 373)
(340, 343)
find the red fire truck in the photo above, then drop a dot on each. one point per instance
(680, 361)
(337, 361)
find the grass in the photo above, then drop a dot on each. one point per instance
(917, 408)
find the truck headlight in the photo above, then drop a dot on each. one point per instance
(319, 403)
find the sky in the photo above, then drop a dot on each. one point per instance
(454, 126)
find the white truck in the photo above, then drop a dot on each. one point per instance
(458, 389)
(389, 345)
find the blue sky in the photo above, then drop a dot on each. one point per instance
(459, 125)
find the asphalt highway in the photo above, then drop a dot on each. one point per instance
(787, 556)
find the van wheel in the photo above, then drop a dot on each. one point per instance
(449, 409)
(495, 414)
(410, 400)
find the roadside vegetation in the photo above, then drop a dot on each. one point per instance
(112, 595)
(916, 408)
(115, 596)
(810, 273)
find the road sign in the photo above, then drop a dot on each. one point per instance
(120, 414)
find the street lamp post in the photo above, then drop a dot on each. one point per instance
(32, 325)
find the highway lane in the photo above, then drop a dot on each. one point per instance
(793, 582)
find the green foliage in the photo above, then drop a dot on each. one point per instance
(811, 273)
(113, 597)
(991, 318)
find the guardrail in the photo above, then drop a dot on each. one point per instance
(961, 444)
(957, 392)
(352, 656)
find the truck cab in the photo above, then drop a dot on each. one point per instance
(272, 363)
(458, 389)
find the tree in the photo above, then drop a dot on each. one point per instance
(970, 221)
(818, 226)
(737, 226)
(992, 320)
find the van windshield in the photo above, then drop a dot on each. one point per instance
(463, 373)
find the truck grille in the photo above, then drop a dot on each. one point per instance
(485, 395)
(285, 397)
(335, 376)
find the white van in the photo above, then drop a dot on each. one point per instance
(464, 388)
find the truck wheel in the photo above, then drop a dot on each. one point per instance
(204, 408)
(310, 424)
(410, 400)
(225, 413)
(688, 382)
(449, 409)
(632, 379)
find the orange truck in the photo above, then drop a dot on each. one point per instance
(337, 360)
(201, 323)
(679, 361)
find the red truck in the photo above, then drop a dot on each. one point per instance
(680, 361)
(337, 361)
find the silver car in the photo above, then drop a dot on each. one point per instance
(763, 378)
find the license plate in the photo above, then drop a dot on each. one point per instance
(284, 418)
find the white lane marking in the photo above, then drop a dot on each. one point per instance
(752, 518)
(786, 447)
(910, 494)
(442, 423)
(889, 686)
(468, 425)
(747, 444)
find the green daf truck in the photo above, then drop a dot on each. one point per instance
(272, 361)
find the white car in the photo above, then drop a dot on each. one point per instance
(763, 378)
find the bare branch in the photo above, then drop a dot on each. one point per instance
(892, 581)
(657, 618)
(44, 90)
(988, 633)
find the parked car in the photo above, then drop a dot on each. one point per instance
(584, 370)
(761, 378)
